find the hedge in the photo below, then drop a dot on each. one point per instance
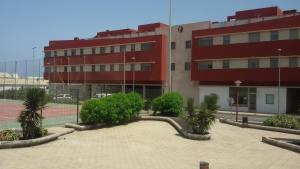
(115, 109)
(283, 121)
(169, 104)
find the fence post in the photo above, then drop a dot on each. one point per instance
(77, 103)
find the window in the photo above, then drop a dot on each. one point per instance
(254, 37)
(122, 48)
(93, 68)
(132, 47)
(204, 65)
(293, 62)
(146, 67)
(81, 68)
(294, 33)
(81, 51)
(146, 46)
(47, 53)
(47, 69)
(274, 62)
(102, 50)
(253, 63)
(226, 40)
(65, 68)
(112, 49)
(226, 64)
(187, 66)
(93, 51)
(111, 68)
(274, 35)
(73, 52)
(173, 45)
(65, 52)
(121, 67)
(55, 53)
(73, 68)
(173, 66)
(243, 96)
(269, 98)
(102, 68)
(188, 44)
(207, 41)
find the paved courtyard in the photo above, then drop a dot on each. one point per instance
(154, 145)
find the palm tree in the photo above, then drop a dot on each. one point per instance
(30, 119)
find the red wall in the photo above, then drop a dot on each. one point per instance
(254, 13)
(292, 21)
(157, 55)
(259, 76)
(242, 50)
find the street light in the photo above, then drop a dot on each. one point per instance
(124, 71)
(133, 73)
(33, 49)
(170, 41)
(237, 84)
(279, 79)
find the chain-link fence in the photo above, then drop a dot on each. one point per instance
(16, 77)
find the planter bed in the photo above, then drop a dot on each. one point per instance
(33, 142)
(184, 133)
(289, 144)
(261, 127)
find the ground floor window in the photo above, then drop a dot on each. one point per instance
(269, 98)
(243, 95)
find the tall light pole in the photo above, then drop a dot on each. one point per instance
(33, 50)
(279, 81)
(133, 72)
(124, 71)
(69, 69)
(170, 41)
(237, 84)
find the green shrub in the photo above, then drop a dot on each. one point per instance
(115, 109)
(169, 104)
(30, 118)
(190, 106)
(210, 102)
(283, 121)
(9, 135)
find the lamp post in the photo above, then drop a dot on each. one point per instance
(49, 70)
(170, 41)
(33, 49)
(279, 81)
(237, 84)
(124, 71)
(133, 73)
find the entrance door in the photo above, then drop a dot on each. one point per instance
(252, 99)
(293, 101)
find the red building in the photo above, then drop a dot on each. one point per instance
(259, 47)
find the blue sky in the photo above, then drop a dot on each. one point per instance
(28, 23)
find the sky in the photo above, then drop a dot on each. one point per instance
(25, 24)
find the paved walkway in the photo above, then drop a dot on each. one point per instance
(154, 145)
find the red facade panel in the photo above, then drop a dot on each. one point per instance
(254, 13)
(245, 50)
(287, 22)
(258, 76)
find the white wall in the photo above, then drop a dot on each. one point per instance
(223, 95)
(270, 108)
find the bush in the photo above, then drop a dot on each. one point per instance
(115, 109)
(190, 106)
(170, 104)
(210, 102)
(9, 135)
(283, 121)
(30, 118)
(202, 120)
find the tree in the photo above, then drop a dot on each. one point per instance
(29, 118)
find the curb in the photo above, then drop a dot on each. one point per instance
(174, 124)
(261, 127)
(32, 142)
(281, 144)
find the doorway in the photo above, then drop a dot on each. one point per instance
(293, 101)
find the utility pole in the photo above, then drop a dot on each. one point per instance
(33, 49)
(170, 41)
(279, 81)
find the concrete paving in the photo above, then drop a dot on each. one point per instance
(154, 145)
